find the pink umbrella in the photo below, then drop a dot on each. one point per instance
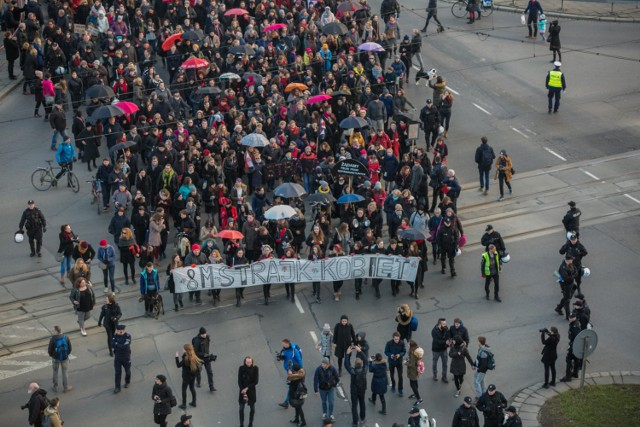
(318, 98)
(274, 27)
(236, 12)
(127, 107)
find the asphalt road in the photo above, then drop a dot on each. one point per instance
(500, 74)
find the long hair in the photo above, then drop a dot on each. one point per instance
(191, 359)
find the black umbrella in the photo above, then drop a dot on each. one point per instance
(209, 90)
(339, 93)
(289, 190)
(353, 123)
(349, 6)
(242, 50)
(190, 35)
(105, 112)
(320, 198)
(100, 91)
(412, 234)
(403, 116)
(335, 28)
(122, 146)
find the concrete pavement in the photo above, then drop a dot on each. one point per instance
(623, 11)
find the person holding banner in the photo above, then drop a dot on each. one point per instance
(290, 253)
(394, 250)
(239, 259)
(337, 284)
(195, 257)
(267, 253)
(315, 254)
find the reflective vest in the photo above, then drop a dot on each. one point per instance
(555, 79)
(487, 263)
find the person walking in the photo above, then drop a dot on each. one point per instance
(190, 364)
(201, 344)
(379, 383)
(571, 219)
(36, 224)
(484, 159)
(163, 399)
(59, 351)
(53, 412)
(574, 364)
(492, 404)
(248, 376)
(358, 373)
(121, 345)
(535, 9)
(458, 353)
(343, 337)
(554, 40)
(466, 415)
(550, 339)
(37, 404)
(513, 419)
(289, 355)
(490, 268)
(567, 274)
(440, 342)
(415, 367)
(448, 238)
(110, 315)
(395, 350)
(297, 392)
(83, 300)
(325, 380)
(481, 366)
(432, 9)
(149, 287)
(504, 173)
(555, 84)
(576, 250)
(107, 263)
(325, 342)
(65, 249)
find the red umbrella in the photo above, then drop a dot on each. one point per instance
(236, 12)
(127, 107)
(274, 27)
(193, 63)
(171, 40)
(318, 98)
(230, 234)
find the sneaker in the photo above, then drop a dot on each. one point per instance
(55, 388)
(116, 390)
(501, 198)
(67, 389)
(510, 191)
(285, 405)
(457, 393)
(418, 402)
(332, 418)
(324, 417)
(435, 378)
(393, 389)
(83, 332)
(32, 254)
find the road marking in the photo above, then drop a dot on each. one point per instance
(530, 131)
(632, 198)
(314, 337)
(590, 175)
(521, 133)
(300, 309)
(555, 154)
(415, 68)
(480, 108)
(42, 360)
(453, 90)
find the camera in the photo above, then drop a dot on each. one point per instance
(279, 356)
(210, 357)
(543, 330)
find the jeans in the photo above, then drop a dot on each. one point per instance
(57, 364)
(439, 355)
(308, 181)
(327, 401)
(502, 179)
(478, 383)
(54, 138)
(484, 179)
(397, 368)
(66, 262)
(108, 275)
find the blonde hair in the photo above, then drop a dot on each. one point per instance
(191, 359)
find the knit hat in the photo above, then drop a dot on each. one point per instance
(162, 378)
(202, 331)
(195, 247)
(84, 244)
(325, 360)
(406, 37)
(326, 327)
(103, 242)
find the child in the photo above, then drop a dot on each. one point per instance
(542, 25)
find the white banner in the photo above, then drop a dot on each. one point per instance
(272, 271)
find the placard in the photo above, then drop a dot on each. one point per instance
(350, 167)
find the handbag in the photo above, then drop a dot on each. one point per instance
(173, 401)
(462, 241)
(49, 99)
(513, 171)
(102, 265)
(60, 256)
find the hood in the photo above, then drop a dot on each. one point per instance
(362, 335)
(49, 411)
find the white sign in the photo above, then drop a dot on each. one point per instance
(272, 271)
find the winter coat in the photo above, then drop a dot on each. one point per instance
(362, 343)
(11, 48)
(110, 314)
(358, 375)
(37, 403)
(162, 406)
(479, 157)
(553, 37)
(90, 149)
(343, 337)
(412, 364)
(465, 417)
(248, 377)
(395, 349)
(458, 353)
(460, 331)
(54, 417)
(187, 374)
(482, 359)
(325, 379)
(549, 352)
(154, 234)
(379, 382)
(492, 407)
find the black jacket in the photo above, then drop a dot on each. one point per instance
(358, 375)
(33, 220)
(392, 349)
(248, 377)
(187, 374)
(461, 331)
(343, 337)
(493, 239)
(440, 337)
(483, 164)
(37, 404)
(577, 251)
(110, 314)
(571, 220)
(122, 345)
(163, 405)
(201, 345)
(465, 417)
(549, 353)
(514, 421)
(492, 407)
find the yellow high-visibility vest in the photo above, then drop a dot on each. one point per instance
(555, 78)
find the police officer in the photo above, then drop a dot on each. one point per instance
(513, 419)
(573, 363)
(490, 268)
(34, 221)
(571, 219)
(447, 239)
(556, 84)
(122, 350)
(414, 417)
(577, 250)
(466, 415)
(567, 277)
(201, 343)
(492, 404)
(492, 237)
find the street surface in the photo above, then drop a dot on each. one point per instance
(589, 152)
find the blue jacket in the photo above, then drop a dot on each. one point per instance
(107, 255)
(379, 380)
(392, 348)
(66, 153)
(144, 281)
(292, 354)
(534, 8)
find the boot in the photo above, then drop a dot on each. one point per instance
(383, 411)
(266, 300)
(177, 308)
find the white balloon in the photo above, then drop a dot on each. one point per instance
(506, 258)
(18, 237)
(458, 252)
(586, 272)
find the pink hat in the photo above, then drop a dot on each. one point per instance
(103, 242)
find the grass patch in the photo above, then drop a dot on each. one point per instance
(594, 406)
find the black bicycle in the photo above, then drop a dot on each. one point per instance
(43, 179)
(460, 9)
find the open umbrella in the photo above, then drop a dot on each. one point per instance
(193, 63)
(122, 146)
(412, 234)
(236, 12)
(403, 116)
(255, 140)
(243, 49)
(289, 189)
(105, 112)
(100, 91)
(320, 198)
(274, 27)
(318, 98)
(209, 90)
(231, 234)
(349, 6)
(127, 107)
(335, 28)
(280, 212)
(339, 93)
(353, 123)
(190, 35)
(350, 198)
(292, 86)
(229, 76)
(257, 78)
(171, 40)
(371, 46)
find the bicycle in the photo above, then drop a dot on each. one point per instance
(96, 192)
(44, 178)
(459, 8)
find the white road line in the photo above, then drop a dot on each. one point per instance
(455, 92)
(632, 198)
(530, 131)
(415, 68)
(521, 133)
(480, 108)
(300, 309)
(555, 154)
(314, 337)
(590, 175)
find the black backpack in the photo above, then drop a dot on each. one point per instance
(486, 157)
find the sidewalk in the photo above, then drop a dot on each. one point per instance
(529, 402)
(6, 84)
(612, 10)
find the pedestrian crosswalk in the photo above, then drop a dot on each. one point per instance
(24, 362)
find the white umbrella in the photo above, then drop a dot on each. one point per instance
(280, 212)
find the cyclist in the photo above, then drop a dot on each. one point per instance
(65, 156)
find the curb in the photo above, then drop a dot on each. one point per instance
(10, 87)
(530, 400)
(573, 15)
